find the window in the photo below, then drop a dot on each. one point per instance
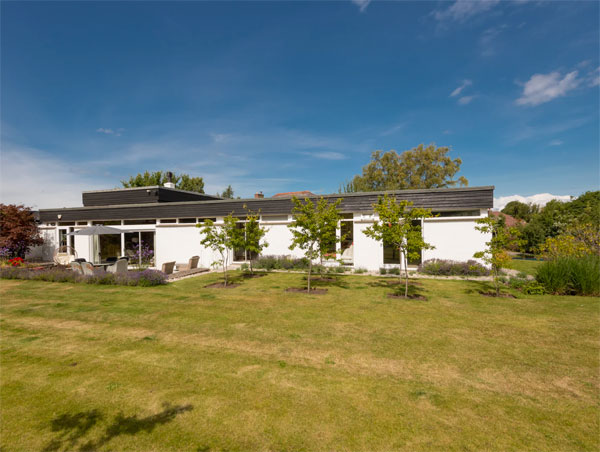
(347, 243)
(107, 222)
(202, 220)
(391, 254)
(241, 254)
(274, 218)
(66, 223)
(457, 213)
(139, 222)
(168, 220)
(187, 220)
(82, 223)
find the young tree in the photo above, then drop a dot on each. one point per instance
(420, 167)
(182, 181)
(495, 254)
(18, 230)
(227, 193)
(250, 237)
(312, 228)
(395, 227)
(220, 238)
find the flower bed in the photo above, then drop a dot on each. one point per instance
(144, 278)
(441, 267)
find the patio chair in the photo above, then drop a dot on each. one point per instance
(76, 267)
(88, 269)
(119, 266)
(192, 264)
(168, 267)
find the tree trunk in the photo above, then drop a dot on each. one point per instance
(225, 270)
(406, 275)
(496, 282)
(309, 269)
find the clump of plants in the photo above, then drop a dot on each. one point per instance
(144, 278)
(443, 267)
(570, 275)
(281, 263)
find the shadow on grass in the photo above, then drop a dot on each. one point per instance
(394, 282)
(326, 280)
(73, 428)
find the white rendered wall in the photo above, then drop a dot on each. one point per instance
(279, 238)
(456, 240)
(368, 253)
(180, 242)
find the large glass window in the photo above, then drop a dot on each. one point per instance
(139, 247)
(110, 246)
(391, 254)
(242, 254)
(347, 242)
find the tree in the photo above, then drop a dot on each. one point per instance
(495, 254)
(250, 237)
(220, 238)
(312, 227)
(227, 193)
(18, 230)
(395, 228)
(579, 240)
(420, 167)
(182, 181)
(521, 210)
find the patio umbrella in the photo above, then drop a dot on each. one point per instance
(96, 230)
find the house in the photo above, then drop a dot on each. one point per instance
(164, 219)
(509, 220)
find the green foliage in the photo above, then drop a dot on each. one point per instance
(360, 270)
(533, 288)
(420, 167)
(250, 237)
(495, 254)
(443, 267)
(227, 193)
(521, 210)
(182, 181)
(281, 263)
(571, 275)
(220, 238)
(395, 227)
(556, 218)
(382, 270)
(314, 228)
(578, 240)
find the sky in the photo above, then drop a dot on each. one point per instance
(286, 96)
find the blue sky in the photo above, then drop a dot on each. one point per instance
(281, 96)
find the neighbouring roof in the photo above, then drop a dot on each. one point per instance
(141, 195)
(297, 194)
(509, 219)
(437, 199)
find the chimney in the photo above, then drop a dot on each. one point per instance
(169, 183)
(259, 195)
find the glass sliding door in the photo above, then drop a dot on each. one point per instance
(110, 246)
(139, 247)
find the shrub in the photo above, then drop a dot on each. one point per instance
(571, 275)
(394, 271)
(244, 267)
(382, 271)
(442, 267)
(360, 270)
(281, 263)
(57, 274)
(533, 288)
(517, 283)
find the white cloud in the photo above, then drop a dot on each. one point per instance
(394, 129)
(461, 10)
(540, 199)
(220, 137)
(362, 4)
(106, 131)
(43, 181)
(541, 88)
(459, 90)
(555, 143)
(327, 155)
(465, 100)
(488, 39)
(594, 77)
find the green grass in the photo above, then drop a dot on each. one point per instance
(185, 368)
(525, 266)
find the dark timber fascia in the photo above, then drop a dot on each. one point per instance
(439, 199)
(141, 195)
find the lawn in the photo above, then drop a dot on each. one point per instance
(182, 367)
(528, 266)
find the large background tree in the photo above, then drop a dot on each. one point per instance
(181, 181)
(521, 210)
(18, 230)
(420, 167)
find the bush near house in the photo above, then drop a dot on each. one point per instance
(144, 278)
(570, 275)
(281, 263)
(443, 267)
